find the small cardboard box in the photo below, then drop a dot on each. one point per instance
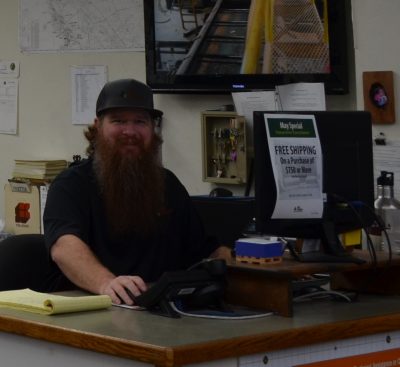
(23, 208)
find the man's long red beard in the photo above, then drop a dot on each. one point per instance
(132, 186)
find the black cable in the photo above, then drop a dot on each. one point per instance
(249, 178)
(379, 221)
(370, 246)
(381, 226)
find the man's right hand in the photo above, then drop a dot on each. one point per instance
(120, 288)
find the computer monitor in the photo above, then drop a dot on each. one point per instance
(225, 219)
(348, 182)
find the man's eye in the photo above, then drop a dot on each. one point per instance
(117, 121)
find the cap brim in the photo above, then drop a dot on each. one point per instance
(153, 112)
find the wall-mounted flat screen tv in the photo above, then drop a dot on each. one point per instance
(221, 46)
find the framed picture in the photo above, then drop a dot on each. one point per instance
(379, 96)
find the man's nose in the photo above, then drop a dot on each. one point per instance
(130, 129)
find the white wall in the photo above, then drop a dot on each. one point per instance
(376, 42)
(45, 129)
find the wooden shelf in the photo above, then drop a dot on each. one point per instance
(269, 286)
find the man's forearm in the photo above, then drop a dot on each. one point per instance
(80, 265)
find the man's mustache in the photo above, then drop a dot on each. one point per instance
(122, 141)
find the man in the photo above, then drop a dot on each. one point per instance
(119, 219)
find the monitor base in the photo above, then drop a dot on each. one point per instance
(322, 257)
(319, 257)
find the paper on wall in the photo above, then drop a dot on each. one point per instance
(289, 97)
(301, 97)
(86, 83)
(8, 106)
(9, 68)
(248, 102)
(387, 158)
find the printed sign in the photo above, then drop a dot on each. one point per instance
(296, 157)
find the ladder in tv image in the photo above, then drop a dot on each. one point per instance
(295, 37)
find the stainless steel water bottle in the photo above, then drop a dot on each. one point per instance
(388, 207)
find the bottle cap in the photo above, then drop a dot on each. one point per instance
(385, 179)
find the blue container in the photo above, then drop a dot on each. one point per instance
(259, 248)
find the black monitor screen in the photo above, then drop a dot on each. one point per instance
(225, 218)
(346, 144)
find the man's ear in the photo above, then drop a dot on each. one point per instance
(97, 123)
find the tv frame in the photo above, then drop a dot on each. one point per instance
(336, 82)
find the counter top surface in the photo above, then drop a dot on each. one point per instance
(166, 341)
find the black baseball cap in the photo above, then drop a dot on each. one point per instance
(126, 93)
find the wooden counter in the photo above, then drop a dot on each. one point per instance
(140, 336)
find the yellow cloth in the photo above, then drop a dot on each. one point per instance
(50, 304)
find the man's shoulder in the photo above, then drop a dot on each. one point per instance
(80, 171)
(170, 178)
(174, 186)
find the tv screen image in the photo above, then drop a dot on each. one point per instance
(346, 144)
(240, 45)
